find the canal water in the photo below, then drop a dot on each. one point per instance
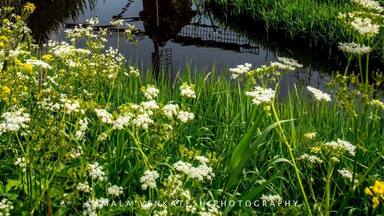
(176, 34)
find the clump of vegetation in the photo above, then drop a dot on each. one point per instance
(314, 20)
(82, 132)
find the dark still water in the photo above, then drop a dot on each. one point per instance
(177, 33)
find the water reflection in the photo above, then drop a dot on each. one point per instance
(163, 20)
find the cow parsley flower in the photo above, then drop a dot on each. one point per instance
(149, 105)
(38, 63)
(345, 174)
(71, 106)
(96, 171)
(365, 26)
(122, 121)
(15, 120)
(84, 187)
(117, 22)
(5, 207)
(311, 158)
(92, 205)
(150, 92)
(369, 4)
(185, 116)
(142, 121)
(22, 163)
(170, 110)
(201, 172)
(115, 190)
(104, 116)
(240, 69)
(261, 95)
(354, 48)
(83, 126)
(148, 180)
(187, 91)
(318, 94)
(341, 146)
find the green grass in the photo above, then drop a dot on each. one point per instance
(312, 20)
(253, 150)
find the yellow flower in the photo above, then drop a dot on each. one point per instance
(47, 57)
(5, 90)
(315, 149)
(368, 191)
(30, 7)
(27, 67)
(375, 202)
(2, 45)
(378, 187)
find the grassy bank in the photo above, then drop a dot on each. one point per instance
(82, 132)
(313, 20)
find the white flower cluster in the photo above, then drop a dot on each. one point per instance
(200, 173)
(117, 22)
(115, 190)
(13, 121)
(92, 205)
(83, 126)
(365, 26)
(22, 163)
(271, 198)
(313, 159)
(38, 63)
(170, 110)
(369, 4)
(148, 180)
(132, 71)
(210, 209)
(96, 171)
(71, 106)
(104, 116)
(150, 92)
(84, 187)
(187, 91)
(261, 95)
(185, 116)
(319, 95)
(75, 152)
(345, 173)
(341, 146)
(240, 69)
(64, 51)
(5, 207)
(288, 64)
(149, 105)
(122, 121)
(377, 103)
(142, 121)
(354, 48)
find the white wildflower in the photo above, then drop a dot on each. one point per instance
(365, 26)
(71, 106)
(76, 152)
(83, 126)
(369, 4)
(187, 91)
(149, 105)
(185, 116)
(117, 22)
(148, 180)
(142, 121)
(92, 205)
(170, 110)
(96, 172)
(13, 121)
(104, 116)
(345, 173)
(38, 63)
(115, 190)
(240, 69)
(22, 163)
(83, 187)
(354, 48)
(122, 121)
(341, 146)
(318, 94)
(5, 207)
(150, 92)
(261, 95)
(311, 158)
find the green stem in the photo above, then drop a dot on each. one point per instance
(285, 141)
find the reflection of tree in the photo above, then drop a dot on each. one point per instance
(50, 14)
(163, 20)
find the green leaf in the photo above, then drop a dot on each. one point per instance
(257, 191)
(242, 152)
(11, 183)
